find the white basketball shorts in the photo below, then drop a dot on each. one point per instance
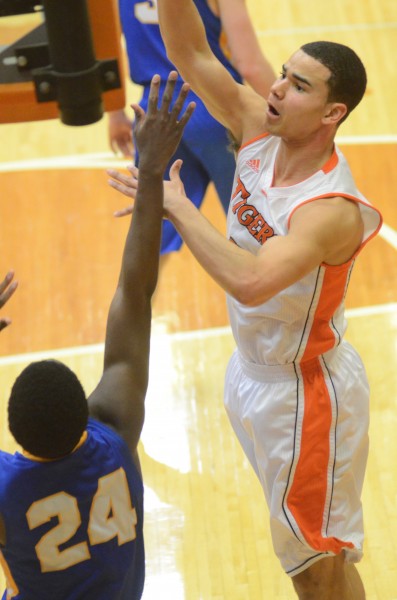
(304, 429)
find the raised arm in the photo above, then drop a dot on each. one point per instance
(119, 397)
(236, 106)
(246, 53)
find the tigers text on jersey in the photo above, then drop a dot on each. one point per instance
(307, 318)
(74, 525)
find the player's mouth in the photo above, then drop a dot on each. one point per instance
(272, 111)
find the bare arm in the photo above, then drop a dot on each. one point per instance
(325, 231)
(236, 106)
(119, 397)
(328, 231)
(247, 56)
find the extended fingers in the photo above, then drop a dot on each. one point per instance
(168, 92)
(123, 212)
(127, 180)
(187, 114)
(6, 281)
(4, 323)
(126, 190)
(153, 94)
(7, 288)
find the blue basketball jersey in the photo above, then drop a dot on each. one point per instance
(204, 145)
(145, 47)
(74, 525)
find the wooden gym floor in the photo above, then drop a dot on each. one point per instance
(206, 527)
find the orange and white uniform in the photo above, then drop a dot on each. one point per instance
(296, 393)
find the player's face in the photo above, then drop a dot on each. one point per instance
(298, 101)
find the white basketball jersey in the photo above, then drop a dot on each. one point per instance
(307, 318)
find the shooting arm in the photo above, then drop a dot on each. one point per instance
(234, 105)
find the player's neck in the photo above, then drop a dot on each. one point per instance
(295, 163)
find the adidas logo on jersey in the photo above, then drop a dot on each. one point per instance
(253, 164)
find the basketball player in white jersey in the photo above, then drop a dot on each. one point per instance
(296, 393)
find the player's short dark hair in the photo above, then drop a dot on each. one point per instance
(348, 79)
(47, 409)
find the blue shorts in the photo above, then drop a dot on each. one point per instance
(206, 156)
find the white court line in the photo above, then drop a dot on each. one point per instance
(93, 349)
(78, 161)
(106, 160)
(349, 27)
(389, 235)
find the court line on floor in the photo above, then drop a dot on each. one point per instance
(105, 160)
(93, 349)
(389, 235)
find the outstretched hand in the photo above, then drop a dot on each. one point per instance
(128, 185)
(157, 133)
(7, 288)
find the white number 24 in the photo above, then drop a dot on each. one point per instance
(111, 515)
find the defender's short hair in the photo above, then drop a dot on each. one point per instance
(47, 409)
(348, 79)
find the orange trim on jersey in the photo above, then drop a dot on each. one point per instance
(331, 162)
(348, 197)
(308, 494)
(12, 588)
(255, 139)
(321, 337)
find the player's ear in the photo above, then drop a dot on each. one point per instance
(334, 112)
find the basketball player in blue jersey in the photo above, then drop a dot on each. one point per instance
(204, 146)
(71, 504)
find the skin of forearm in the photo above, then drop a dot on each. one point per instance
(230, 266)
(142, 244)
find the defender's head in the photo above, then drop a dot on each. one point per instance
(47, 409)
(348, 79)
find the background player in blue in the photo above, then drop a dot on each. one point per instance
(71, 504)
(204, 146)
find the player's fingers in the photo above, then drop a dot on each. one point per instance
(133, 169)
(176, 169)
(7, 279)
(126, 190)
(180, 101)
(139, 114)
(4, 323)
(187, 114)
(154, 94)
(123, 212)
(126, 180)
(168, 92)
